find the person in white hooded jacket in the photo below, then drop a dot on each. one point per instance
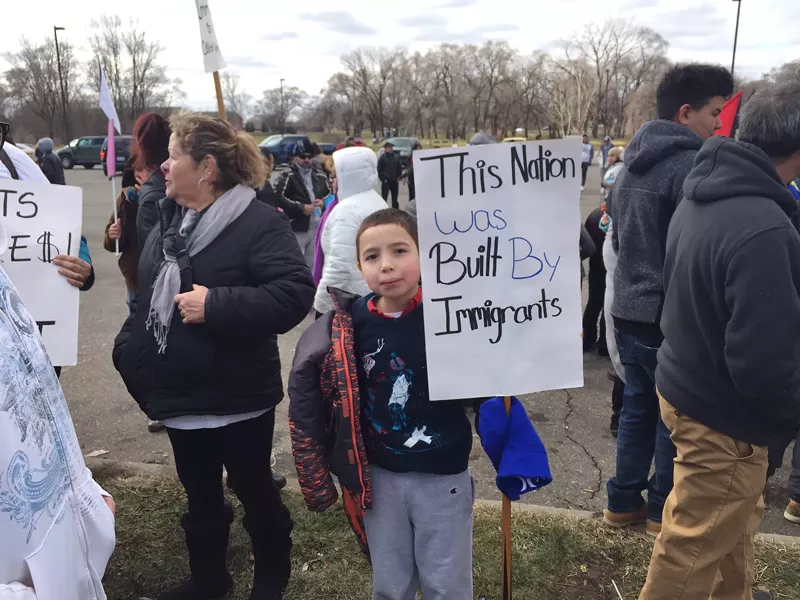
(356, 176)
(56, 523)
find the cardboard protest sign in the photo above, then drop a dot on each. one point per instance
(499, 230)
(212, 55)
(43, 221)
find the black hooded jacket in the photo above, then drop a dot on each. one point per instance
(731, 354)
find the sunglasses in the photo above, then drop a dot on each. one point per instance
(304, 156)
(4, 129)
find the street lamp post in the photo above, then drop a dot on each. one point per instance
(736, 35)
(61, 82)
(283, 114)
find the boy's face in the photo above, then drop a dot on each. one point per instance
(389, 261)
(705, 121)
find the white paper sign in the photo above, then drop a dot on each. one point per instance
(41, 222)
(212, 56)
(499, 232)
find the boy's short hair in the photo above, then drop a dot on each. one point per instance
(388, 216)
(694, 84)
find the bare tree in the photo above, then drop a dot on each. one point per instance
(275, 108)
(130, 61)
(236, 99)
(33, 80)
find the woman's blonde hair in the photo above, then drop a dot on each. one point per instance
(238, 158)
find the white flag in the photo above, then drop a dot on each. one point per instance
(107, 102)
(212, 55)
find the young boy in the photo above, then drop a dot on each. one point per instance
(419, 526)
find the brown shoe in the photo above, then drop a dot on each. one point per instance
(615, 519)
(653, 528)
(792, 512)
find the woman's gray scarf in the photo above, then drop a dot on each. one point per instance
(224, 211)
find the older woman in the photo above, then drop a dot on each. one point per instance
(219, 277)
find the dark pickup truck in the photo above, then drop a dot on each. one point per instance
(83, 151)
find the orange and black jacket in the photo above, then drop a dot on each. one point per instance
(325, 417)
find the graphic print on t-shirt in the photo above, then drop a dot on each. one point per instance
(416, 435)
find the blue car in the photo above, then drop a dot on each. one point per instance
(282, 146)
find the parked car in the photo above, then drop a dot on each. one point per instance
(122, 147)
(82, 151)
(282, 146)
(28, 150)
(327, 148)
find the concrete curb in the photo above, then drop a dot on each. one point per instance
(116, 467)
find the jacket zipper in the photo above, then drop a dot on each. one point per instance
(352, 417)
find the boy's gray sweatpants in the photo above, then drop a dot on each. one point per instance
(420, 534)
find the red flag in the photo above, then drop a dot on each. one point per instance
(728, 115)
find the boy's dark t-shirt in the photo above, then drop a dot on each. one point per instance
(404, 430)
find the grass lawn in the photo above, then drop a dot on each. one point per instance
(555, 558)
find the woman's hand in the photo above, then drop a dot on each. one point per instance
(192, 305)
(604, 220)
(115, 230)
(75, 269)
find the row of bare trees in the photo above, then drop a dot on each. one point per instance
(30, 90)
(601, 80)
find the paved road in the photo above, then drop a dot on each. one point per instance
(572, 423)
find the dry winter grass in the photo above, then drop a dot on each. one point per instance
(554, 558)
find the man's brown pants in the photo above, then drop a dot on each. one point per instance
(705, 548)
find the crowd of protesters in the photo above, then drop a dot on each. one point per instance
(693, 294)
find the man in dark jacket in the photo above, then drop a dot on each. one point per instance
(302, 190)
(50, 163)
(727, 369)
(647, 191)
(390, 171)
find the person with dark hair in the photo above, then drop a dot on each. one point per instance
(121, 235)
(727, 370)
(402, 460)
(411, 207)
(302, 191)
(317, 157)
(646, 194)
(220, 277)
(390, 172)
(587, 155)
(150, 145)
(267, 193)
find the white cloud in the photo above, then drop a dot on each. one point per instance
(302, 42)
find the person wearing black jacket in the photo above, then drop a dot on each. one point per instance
(727, 373)
(390, 171)
(302, 190)
(150, 148)
(597, 288)
(50, 163)
(219, 278)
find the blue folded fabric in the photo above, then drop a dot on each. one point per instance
(514, 447)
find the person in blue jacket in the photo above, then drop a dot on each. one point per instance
(795, 188)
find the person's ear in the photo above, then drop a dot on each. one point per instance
(683, 114)
(358, 264)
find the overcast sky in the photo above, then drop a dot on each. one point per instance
(302, 41)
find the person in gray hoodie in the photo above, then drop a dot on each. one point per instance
(727, 369)
(648, 189)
